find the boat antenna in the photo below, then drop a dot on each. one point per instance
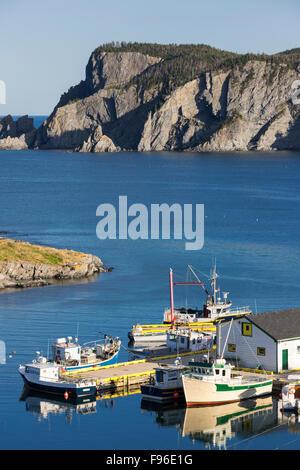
(255, 306)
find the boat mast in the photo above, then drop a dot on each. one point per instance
(213, 280)
(171, 298)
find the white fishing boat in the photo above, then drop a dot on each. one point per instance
(184, 339)
(290, 396)
(140, 333)
(71, 356)
(44, 376)
(213, 383)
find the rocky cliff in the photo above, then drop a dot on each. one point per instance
(193, 98)
(26, 265)
(16, 135)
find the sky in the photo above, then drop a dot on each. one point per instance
(45, 45)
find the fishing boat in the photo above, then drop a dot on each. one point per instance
(215, 308)
(184, 339)
(71, 356)
(213, 382)
(158, 333)
(290, 396)
(168, 384)
(44, 376)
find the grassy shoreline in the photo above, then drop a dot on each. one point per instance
(19, 251)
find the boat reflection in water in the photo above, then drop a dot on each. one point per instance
(216, 425)
(43, 405)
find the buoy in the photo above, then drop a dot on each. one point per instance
(66, 395)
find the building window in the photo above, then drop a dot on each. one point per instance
(246, 329)
(261, 351)
(231, 347)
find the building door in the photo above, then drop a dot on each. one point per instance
(285, 359)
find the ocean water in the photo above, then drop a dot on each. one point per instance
(252, 228)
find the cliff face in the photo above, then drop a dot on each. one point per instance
(16, 135)
(127, 103)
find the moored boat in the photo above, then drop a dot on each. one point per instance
(71, 356)
(184, 339)
(44, 376)
(212, 383)
(168, 384)
(215, 308)
(158, 333)
(290, 396)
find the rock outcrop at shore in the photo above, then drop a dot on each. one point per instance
(133, 100)
(43, 266)
(16, 135)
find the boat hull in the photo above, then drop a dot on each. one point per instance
(148, 337)
(59, 389)
(82, 367)
(161, 394)
(203, 393)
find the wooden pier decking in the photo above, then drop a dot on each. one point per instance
(126, 375)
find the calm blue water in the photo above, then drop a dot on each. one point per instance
(252, 228)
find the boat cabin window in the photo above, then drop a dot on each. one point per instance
(32, 370)
(159, 376)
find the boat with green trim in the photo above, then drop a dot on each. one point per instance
(212, 383)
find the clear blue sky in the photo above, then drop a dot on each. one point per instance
(45, 45)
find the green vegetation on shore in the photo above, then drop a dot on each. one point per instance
(184, 62)
(18, 251)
